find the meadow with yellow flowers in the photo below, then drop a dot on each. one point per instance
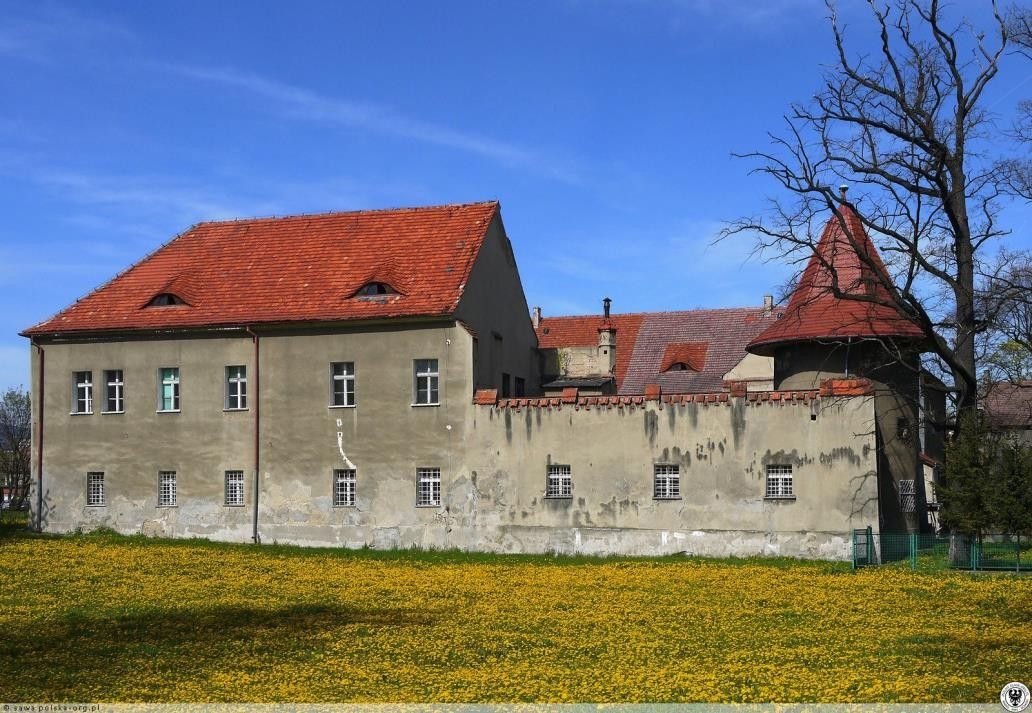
(106, 618)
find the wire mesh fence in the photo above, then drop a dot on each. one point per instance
(925, 551)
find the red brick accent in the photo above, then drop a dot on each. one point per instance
(570, 395)
(653, 392)
(486, 397)
(737, 388)
(846, 387)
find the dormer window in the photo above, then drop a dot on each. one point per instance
(688, 356)
(679, 366)
(375, 289)
(165, 299)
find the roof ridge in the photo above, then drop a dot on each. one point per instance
(657, 313)
(359, 211)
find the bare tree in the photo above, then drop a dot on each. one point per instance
(15, 446)
(908, 128)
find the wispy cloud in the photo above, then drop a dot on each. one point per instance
(304, 104)
(43, 32)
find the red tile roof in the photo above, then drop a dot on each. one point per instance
(642, 340)
(692, 355)
(582, 331)
(293, 269)
(814, 312)
(1008, 404)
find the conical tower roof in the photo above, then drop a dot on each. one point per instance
(815, 312)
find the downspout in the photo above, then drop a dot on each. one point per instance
(257, 425)
(849, 343)
(39, 439)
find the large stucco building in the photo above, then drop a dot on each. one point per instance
(376, 378)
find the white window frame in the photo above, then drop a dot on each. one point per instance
(236, 387)
(559, 481)
(96, 496)
(168, 490)
(666, 481)
(346, 379)
(173, 382)
(779, 482)
(431, 375)
(234, 489)
(345, 487)
(428, 487)
(114, 379)
(82, 382)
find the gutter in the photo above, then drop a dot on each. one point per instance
(39, 439)
(256, 538)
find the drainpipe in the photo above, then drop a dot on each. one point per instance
(39, 440)
(257, 424)
(849, 343)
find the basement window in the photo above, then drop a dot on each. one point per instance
(167, 489)
(666, 482)
(779, 483)
(234, 488)
(95, 496)
(428, 487)
(344, 483)
(560, 482)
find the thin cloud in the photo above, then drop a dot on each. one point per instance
(50, 30)
(307, 105)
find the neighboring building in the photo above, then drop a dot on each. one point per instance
(374, 378)
(1008, 407)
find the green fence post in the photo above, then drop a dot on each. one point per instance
(974, 553)
(854, 548)
(870, 546)
(913, 550)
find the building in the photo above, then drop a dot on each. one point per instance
(376, 378)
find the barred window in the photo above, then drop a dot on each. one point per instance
(560, 482)
(234, 488)
(428, 487)
(95, 490)
(115, 391)
(667, 482)
(342, 383)
(168, 389)
(82, 392)
(779, 482)
(344, 483)
(166, 488)
(427, 379)
(907, 496)
(236, 388)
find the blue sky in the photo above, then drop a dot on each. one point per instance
(604, 127)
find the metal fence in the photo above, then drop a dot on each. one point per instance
(920, 551)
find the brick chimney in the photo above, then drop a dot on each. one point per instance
(768, 305)
(535, 317)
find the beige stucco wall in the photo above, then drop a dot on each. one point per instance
(757, 371)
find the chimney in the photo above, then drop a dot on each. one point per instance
(606, 302)
(842, 192)
(536, 317)
(606, 341)
(768, 305)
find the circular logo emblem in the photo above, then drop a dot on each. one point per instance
(1015, 697)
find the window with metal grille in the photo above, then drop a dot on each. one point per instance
(428, 487)
(907, 496)
(519, 387)
(168, 389)
(344, 483)
(236, 388)
(342, 383)
(234, 488)
(427, 378)
(82, 392)
(667, 482)
(560, 482)
(166, 488)
(779, 482)
(95, 490)
(114, 401)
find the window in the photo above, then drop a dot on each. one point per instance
(519, 387)
(342, 383)
(166, 299)
(373, 289)
(506, 391)
(560, 482)
(236, 388)
(82, 392)
(343, 488)
(427, 378)
(95, 490)
(168, 389)
(907, 496)
(667, 482)
(779, 482)
(234, 488)
(166, 489)
(428, 487)
(114, 401)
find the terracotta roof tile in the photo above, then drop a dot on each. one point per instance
(582, 331)
(1009, 404)
(298, 268)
